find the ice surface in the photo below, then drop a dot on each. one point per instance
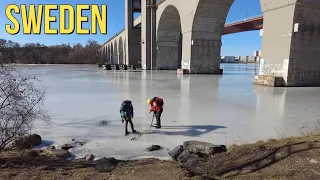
(218, 109)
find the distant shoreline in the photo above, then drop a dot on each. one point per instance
(15, 64)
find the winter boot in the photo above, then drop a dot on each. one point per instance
(158, 126)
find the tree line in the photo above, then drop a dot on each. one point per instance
(35, 53)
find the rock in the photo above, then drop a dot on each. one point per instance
(203, 148)
(26, 142)
(106, 164)
(187, 157)
(90, 157)
(59, 153)
(71, 139)
(66, 147)
(176, 152)
(153, 148)
(51, 147)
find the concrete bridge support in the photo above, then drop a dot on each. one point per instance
(207, 29)
(189, 35)
(121, 61)
(124, 52)
(290, 43)
(115, 53)
(132, 36)
(111, 53)
(104, 52)
(148, 34)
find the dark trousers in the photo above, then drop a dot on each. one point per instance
(158, 118)
(128, 120)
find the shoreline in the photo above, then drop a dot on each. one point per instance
(260, 160)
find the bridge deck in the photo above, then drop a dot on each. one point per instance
(248, 24)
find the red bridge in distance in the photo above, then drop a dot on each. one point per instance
(248, 24)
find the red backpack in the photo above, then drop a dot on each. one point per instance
(159, 101)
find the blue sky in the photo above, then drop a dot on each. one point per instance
(235, 44)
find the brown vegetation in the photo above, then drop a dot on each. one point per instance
(290, 158)
(35, 53)
(21, 100)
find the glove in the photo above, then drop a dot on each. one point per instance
(122, 120)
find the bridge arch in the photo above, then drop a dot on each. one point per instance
(201, 24)
(169, 40)
(111, 53)
(207, 29)
(120, 47)
(103, 53)
(108, 53)
(115, 53)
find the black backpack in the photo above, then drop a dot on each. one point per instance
(125, 106)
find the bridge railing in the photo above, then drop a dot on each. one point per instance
(244, 19)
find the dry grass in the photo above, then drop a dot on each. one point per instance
(287, 158)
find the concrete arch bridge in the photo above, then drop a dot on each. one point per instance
(176, 34)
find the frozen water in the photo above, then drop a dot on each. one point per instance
(218, 109)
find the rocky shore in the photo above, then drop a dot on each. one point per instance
(291, 158)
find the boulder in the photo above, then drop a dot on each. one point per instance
(187, 157)
(176, 152)
(203, 148)
(26, 142)
(106, 164)
(153, 148)
(90, 157)
(66, 147)
(59, 153)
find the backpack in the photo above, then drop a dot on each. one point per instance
(159, 101)
(125, 106)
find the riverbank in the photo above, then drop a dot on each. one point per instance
(290, 158)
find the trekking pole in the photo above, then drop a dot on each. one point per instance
(151, 121)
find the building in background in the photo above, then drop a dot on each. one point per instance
(229, 59)
(242, 59)
(257, 55)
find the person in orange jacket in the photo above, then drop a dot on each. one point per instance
(156, 106)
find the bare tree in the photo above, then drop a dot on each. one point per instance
(21, 101)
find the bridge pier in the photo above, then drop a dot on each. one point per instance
(290, 43)
(148, 34)
(202, 45)
(133, 35)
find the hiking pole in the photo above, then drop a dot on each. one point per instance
(151, 121)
